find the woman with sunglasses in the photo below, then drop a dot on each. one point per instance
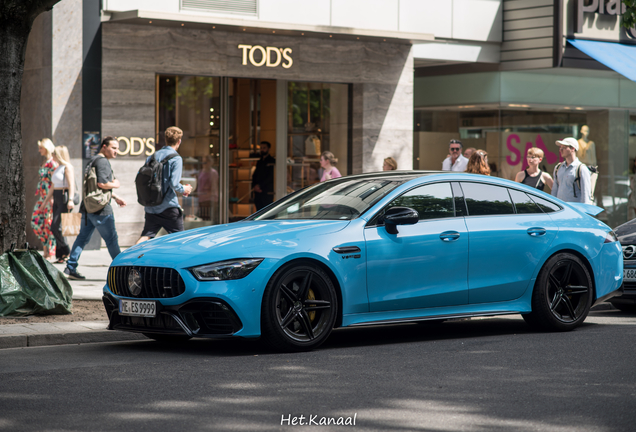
(533, 176)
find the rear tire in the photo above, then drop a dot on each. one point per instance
(299, 308)
(562, 295)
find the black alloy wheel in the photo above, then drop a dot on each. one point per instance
(299, 308)
(562, 295)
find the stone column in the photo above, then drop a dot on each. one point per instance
(383, 121)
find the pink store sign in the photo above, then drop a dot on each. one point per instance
(516, 148)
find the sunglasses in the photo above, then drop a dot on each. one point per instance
(455, 148)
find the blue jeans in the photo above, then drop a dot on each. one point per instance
(105, 225)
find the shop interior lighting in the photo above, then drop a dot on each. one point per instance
(519, 105)
(567, 108)
(466, 106)
(579, 108)
(211, 109)
(182, 24)
(149, 22)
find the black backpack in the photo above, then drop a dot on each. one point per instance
(149, 181)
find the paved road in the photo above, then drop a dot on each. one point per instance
(478, 375)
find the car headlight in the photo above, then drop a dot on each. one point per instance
(226, 270)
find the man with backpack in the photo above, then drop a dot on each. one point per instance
(161, 203)
(97, 191)
(571, 178)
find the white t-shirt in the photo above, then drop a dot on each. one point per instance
(59, 177)
(459, 165)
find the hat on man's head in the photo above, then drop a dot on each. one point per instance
(572, 142)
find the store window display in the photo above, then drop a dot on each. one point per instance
(587, 148)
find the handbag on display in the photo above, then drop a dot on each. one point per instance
(71, 224)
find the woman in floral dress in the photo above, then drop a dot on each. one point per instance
(42, 214)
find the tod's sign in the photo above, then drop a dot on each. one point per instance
(134, 146)
(601, 7)
(268, 56)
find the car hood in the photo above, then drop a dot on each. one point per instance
(237, 239)
(626, 233)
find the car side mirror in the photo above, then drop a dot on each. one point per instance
(399, 216)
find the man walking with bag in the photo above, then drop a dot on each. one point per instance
(96, 211)
(571, 178)
(167, 214)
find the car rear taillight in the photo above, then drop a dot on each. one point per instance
(611, 237)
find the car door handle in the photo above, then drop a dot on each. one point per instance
(536, 232)
(449, 236)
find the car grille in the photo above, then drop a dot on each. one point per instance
(157, 282)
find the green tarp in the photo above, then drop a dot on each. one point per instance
(31, 285)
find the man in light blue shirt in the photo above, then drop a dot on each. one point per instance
(167, 215)
(565, 187)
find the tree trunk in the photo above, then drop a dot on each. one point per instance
(16, 19)
(13, 39)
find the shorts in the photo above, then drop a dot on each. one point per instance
(171, 219)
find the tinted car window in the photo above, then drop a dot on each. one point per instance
(345, 199)
(432, 201)
(523, 203)
(545, 205)
(483, 199)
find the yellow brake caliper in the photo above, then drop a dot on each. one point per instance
(311, 296)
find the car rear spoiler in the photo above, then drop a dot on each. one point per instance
(590, 209)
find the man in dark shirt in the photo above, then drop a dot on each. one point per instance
(263, 178)
(102, 220)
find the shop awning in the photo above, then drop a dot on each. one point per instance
(616, 56)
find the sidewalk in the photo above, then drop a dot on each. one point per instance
(94, 265)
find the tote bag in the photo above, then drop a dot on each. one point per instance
(71, 223)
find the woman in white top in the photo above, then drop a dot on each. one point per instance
(62, 193)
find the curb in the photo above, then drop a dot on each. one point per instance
(71, 338)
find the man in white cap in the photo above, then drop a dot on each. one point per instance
(571, 183)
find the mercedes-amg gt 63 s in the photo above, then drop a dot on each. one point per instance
(371, 249)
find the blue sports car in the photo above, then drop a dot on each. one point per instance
(371, 249)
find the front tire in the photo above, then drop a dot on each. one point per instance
(562, 295)
(299, 308)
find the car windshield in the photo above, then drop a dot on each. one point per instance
(342, 199)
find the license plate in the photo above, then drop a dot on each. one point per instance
(138, 308)
(629, 275)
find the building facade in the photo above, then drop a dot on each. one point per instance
(566, 68)
(307, 77)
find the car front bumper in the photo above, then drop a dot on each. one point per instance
(198, 317)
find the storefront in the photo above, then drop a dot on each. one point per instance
(229, 90)
(528, 101)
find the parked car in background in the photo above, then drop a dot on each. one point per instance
(626, 234)
(371, 249)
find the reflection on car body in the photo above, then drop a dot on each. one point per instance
(370, 249)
